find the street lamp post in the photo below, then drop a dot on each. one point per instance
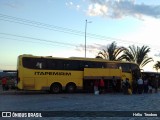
(86, 36)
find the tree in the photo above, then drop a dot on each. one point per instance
(138, 55)
(157, 65)
(112, 52)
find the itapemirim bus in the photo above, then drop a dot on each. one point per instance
(70, 74)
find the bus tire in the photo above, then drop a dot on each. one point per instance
(56, 88)
(71, 87)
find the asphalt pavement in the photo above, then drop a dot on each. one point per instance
(92, 106)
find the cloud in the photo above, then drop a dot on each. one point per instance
(122, 8)
(157, 54)
(72, 5)
(93, 48)
(77, 7)
(145, 34)
(12, 4)
(97, 9)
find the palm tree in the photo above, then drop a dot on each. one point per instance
(157, 65)
(137, 55)
(112, 52)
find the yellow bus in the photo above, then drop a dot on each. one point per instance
(70, 74)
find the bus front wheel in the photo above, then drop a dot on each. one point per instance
(71, 87)
(56, 88)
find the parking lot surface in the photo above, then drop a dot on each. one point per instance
(43, 101)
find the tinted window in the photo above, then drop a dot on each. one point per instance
(74, 65)
(34, 63)
(58, 64)
(55, 64)
(125, 67)
(93, 64)
(52, 64)
(112, 65)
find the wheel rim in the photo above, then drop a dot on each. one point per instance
(71, 88)
(55, 88)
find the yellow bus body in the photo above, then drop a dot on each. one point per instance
(97, 73)
(43, 79)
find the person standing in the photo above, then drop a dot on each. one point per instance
(140, 85)
(96, 84)
(127, 86)
(134, 86)
(150, 85)
(156, 84)
(101, 85)
(4, 83)
(114, 84)
(145, 83)
(123, 85)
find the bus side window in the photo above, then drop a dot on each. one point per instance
(112, 65)
(72, 65)
(40, 63)
(125, 67)
(66, 66)
(51, 64)
(81, 65)
(101, 65)
(29, 63)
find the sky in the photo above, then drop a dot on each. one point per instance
(57, 28)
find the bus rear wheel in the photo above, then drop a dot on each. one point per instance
(71, 87)
(56, 88)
